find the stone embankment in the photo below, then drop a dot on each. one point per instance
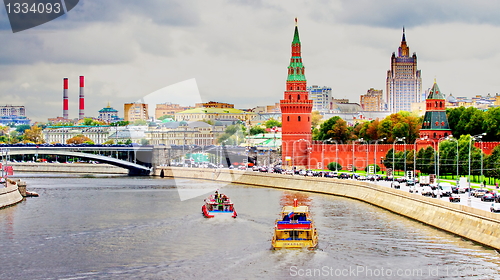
(67, 168)
(9, 195)
(474, 224)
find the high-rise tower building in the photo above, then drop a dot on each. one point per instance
(404, 82)
(321, 97)
(296, 110)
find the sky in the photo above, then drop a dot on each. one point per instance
(238, 51)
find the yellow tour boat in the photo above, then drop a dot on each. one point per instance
(295, 228)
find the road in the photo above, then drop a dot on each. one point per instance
(475, 202)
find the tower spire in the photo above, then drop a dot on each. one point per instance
(404, 38)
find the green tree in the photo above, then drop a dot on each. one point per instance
(272, 123)
(334, 166)
(21, 128)
(334, 128)
(491, 124)
(254, 130)
(120, 123)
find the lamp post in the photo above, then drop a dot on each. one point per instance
(375, 154)
(323, 154)
(336, 151)
(450, 137)
(470, 144)
(393, 155)
(438, 157)
(353, 142)
(415, 155)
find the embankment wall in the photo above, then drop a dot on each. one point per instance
(474, 224)
(68, 168)
(9, 196)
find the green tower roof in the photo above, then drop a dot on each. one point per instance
(435, 93)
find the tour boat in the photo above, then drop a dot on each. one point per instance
(295, 228)
(218, 205)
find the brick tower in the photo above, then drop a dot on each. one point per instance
(296, 111)
(435, 124)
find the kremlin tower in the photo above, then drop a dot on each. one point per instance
(296, 110)
(435, 124)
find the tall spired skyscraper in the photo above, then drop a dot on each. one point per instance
(296, 110)
(404, 82)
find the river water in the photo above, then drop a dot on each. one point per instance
(118, 227)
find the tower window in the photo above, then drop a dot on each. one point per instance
(298, 118)
(288, 118)
(298, 97)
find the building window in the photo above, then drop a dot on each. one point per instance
(299, 118)
(288, 118)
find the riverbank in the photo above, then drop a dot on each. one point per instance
(67, 167)
(9, 195)
(474, 224)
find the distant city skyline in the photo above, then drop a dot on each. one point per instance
(237, 51)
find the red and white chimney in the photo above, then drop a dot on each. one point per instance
(81, 114)
(65, 98)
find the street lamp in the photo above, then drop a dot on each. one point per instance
(336, 152)
(323, 154)
(375, 154)
(393, 155)
(470, 144)
(450, 137)
(415, 154)
(354, 141)
(438, 157)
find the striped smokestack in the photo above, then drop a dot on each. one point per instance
(65, 98)
(81, 114)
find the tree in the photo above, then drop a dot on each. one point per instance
(334, 128)
(21, 128)
(272, 123)
(254, 130)
(79, 139)
(109, 142)
(34, 134)
(315, 119)
(120, 123)
(491, 124)
(140, 122)
(234, 135)
(334, 166)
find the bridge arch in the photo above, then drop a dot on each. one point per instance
(133, 168)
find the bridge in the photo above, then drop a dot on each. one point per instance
(138, 164)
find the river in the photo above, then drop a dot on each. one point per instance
(119, 227)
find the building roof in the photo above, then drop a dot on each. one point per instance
(435, 93)
(203, 110)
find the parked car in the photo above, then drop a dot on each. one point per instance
(445, 189)
(395, 185)
(414, 189)
(479, 193)
(426, 190)
(454, 198)
(495, 207)
(488, 197)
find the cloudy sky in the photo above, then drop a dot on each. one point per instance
(237, 51)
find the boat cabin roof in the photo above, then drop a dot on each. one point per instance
(298, 209)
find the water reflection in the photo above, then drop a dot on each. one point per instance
(137, 228)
